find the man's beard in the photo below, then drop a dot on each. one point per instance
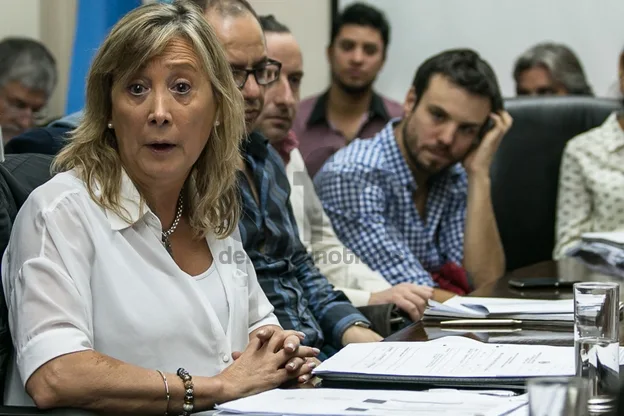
(354, 90)
(433, 171)
(254, 105)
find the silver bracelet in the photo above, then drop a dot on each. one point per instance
(167, 395)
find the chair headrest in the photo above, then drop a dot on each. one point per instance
(543, 125)
(579, 110)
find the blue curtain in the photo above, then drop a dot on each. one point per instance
(94, 19)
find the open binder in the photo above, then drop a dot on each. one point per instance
(447, 362)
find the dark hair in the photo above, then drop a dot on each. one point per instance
(362, 15)
(464, 68)
(270, 24)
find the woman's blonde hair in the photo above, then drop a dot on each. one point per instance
(143, 34)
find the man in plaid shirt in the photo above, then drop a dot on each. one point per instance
(414, 202)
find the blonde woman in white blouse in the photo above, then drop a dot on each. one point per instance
(120, 297)
(591, 184)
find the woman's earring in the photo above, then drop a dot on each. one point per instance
(110, 126)
(217, 123)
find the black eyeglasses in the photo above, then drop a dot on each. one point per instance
(264, 74)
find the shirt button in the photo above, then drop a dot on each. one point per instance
(225, 358)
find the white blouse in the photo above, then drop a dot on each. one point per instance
(77, 277)
(591, 185)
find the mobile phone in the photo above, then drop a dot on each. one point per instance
(539, 282)
(497, 106)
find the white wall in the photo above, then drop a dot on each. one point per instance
(500, 30)
(19, 18)
(309, 21)
(58, 20)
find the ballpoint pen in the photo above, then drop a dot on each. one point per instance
(481, 329)
(481, 322)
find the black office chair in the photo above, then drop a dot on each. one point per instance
(525, 170)
(19, 175)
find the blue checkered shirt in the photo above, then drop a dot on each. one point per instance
(303, 298)
(366, 190)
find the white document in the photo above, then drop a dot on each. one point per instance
(529, 309)
(614, 238)
(450, 357)
(521, 411)
(338, 402)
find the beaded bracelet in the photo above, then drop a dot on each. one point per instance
(189, 398)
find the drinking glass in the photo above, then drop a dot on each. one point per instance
(596, 336)
(557, 396)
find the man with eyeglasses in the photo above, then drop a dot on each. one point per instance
(28, 77)
(303, 298)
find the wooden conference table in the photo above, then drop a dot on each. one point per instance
(567, 270)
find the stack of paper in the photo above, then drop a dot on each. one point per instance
(603, 252)
(523, 309)
(338, 402)
(614, 238)
(449, 361)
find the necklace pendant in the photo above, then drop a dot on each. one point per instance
(176, 221)
(167, 245)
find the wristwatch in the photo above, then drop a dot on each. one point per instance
(362, 324)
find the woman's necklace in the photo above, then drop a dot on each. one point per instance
(176, 221)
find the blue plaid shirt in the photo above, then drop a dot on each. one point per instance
(367, 189)
(303, 298)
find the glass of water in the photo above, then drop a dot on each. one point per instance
(596, 336)
(557, 396)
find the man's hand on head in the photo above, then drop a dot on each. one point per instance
(478, 161)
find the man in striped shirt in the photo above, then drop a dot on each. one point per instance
(303, 298)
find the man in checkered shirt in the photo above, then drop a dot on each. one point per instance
(415, 199)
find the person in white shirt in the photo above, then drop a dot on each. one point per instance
(128, 290)
(591, 185)
(591, 181)
(341, 266)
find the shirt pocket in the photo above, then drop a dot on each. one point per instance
(240, 279)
